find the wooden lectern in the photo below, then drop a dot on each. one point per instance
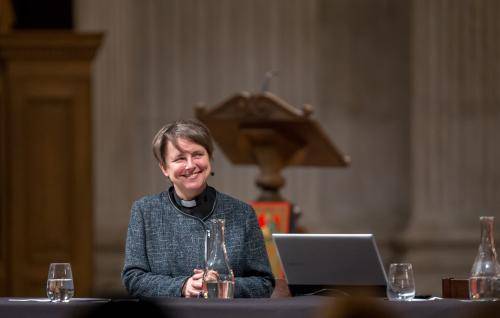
(263, 129)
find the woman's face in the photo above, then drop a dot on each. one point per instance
(188, 167)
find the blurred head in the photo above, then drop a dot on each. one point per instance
(184, 149)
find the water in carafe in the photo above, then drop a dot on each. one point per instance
(219, 289)
(485, 271)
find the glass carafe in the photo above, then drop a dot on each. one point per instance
(218, 279)
(485, 270)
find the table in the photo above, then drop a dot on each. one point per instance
(303, 307)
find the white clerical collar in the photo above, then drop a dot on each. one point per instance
(188, 204)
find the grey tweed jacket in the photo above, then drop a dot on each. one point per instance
(164, 245)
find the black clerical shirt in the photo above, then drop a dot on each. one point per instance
(204, 202)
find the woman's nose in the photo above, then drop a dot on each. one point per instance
(189, 163)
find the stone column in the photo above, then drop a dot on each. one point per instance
(455, 120)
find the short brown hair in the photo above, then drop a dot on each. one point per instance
(190, 129)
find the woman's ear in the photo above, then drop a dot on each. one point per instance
(164, 169)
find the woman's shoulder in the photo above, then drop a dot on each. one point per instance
(230, 202)
(152, 201)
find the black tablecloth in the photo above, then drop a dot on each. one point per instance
(28, 309)
(303, 307)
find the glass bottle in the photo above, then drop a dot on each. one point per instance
(485, 270)
(218, 279)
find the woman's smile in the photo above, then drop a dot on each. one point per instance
(192, 175)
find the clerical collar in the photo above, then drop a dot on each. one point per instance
(191, 203)
(188, 204)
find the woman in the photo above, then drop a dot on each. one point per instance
(165, 246)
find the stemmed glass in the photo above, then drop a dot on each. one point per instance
(401, 284)
(60, 287)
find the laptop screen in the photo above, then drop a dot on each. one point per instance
(342, 263)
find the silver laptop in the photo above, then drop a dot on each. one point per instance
(333, 264)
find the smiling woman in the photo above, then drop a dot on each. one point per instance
(187, 165)
(165, 248)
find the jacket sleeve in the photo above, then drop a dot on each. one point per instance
(136, 274)
(258, 279)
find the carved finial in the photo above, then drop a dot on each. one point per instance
(347, 159)
(307, 110)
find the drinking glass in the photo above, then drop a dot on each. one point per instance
(60, 286)
(401, 284)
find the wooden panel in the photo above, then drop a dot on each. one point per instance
(52, 211)
(47, 133)
(50, 157)
(3, 189)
